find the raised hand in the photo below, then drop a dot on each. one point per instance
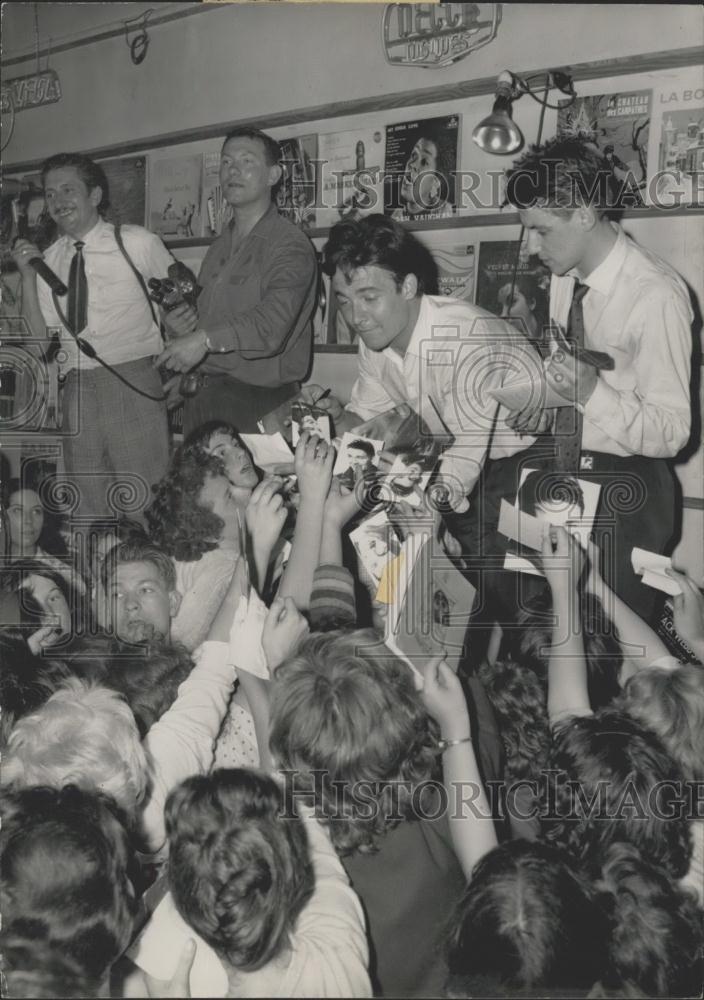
(563, 564)
(341, 504)
(444, 699)
(285, 628)
(265, 513)
(22, 252)
(313, 464)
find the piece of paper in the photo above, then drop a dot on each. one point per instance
(520, 527)
(267, 449)
(651, 566)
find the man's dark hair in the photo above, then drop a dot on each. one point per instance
(377, 241)
(68, 873)
(562, 174)
(271, 146)
(90, 172)
(361, 445)
(136, 551)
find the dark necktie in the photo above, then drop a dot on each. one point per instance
(568, 421)
(77, 306)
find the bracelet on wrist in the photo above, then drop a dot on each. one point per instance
(444, 745)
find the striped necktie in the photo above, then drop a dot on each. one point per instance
(77, 305)
(568, 420)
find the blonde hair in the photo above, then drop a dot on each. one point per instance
(671, 704)
(83, 735)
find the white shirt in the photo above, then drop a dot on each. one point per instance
(328, 956)
(637, 310)
(182, 742)
(120, 326)
(456, 353)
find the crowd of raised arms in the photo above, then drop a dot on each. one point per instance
(223, 777)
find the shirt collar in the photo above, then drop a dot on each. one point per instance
(263, 226)
(603, 276)
(422, 324)
(92, 237)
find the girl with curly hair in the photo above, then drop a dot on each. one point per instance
(198, 517)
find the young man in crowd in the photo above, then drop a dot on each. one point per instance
(112, 428)
(252, 337)
(625, 421)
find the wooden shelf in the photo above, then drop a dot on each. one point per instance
(467, 222)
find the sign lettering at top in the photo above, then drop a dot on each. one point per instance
(31, 91)
(433, 35)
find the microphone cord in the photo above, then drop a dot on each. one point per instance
(90, 352)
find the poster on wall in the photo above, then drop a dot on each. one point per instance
(127, 185)
(215, 212)
(680, 176)
(175, 197)
(619, 124)
(350, 174)
(524, 302)
(420, 168)
(456, 268)
(295, 197)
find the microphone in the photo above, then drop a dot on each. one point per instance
(44, 271)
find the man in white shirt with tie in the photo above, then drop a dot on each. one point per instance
(440, 355)
(631, 305)
(115, 435)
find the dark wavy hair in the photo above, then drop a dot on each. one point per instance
(606, 769)
(519, 702)
(345, 707)
(562, 174)
(50, 538)
(240, 874)
(377, 241)
(68, 873)
(177, 522)
(147, 674)
(31, 613)
(527, 921)
(33, 969)
(657, 931)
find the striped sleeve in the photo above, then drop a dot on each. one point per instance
(332, 603)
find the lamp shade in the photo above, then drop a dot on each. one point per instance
(498, 133)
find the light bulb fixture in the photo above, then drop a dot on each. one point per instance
(498, 133)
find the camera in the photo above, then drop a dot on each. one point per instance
(180, 286)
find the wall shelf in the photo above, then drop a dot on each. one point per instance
(466, 222)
